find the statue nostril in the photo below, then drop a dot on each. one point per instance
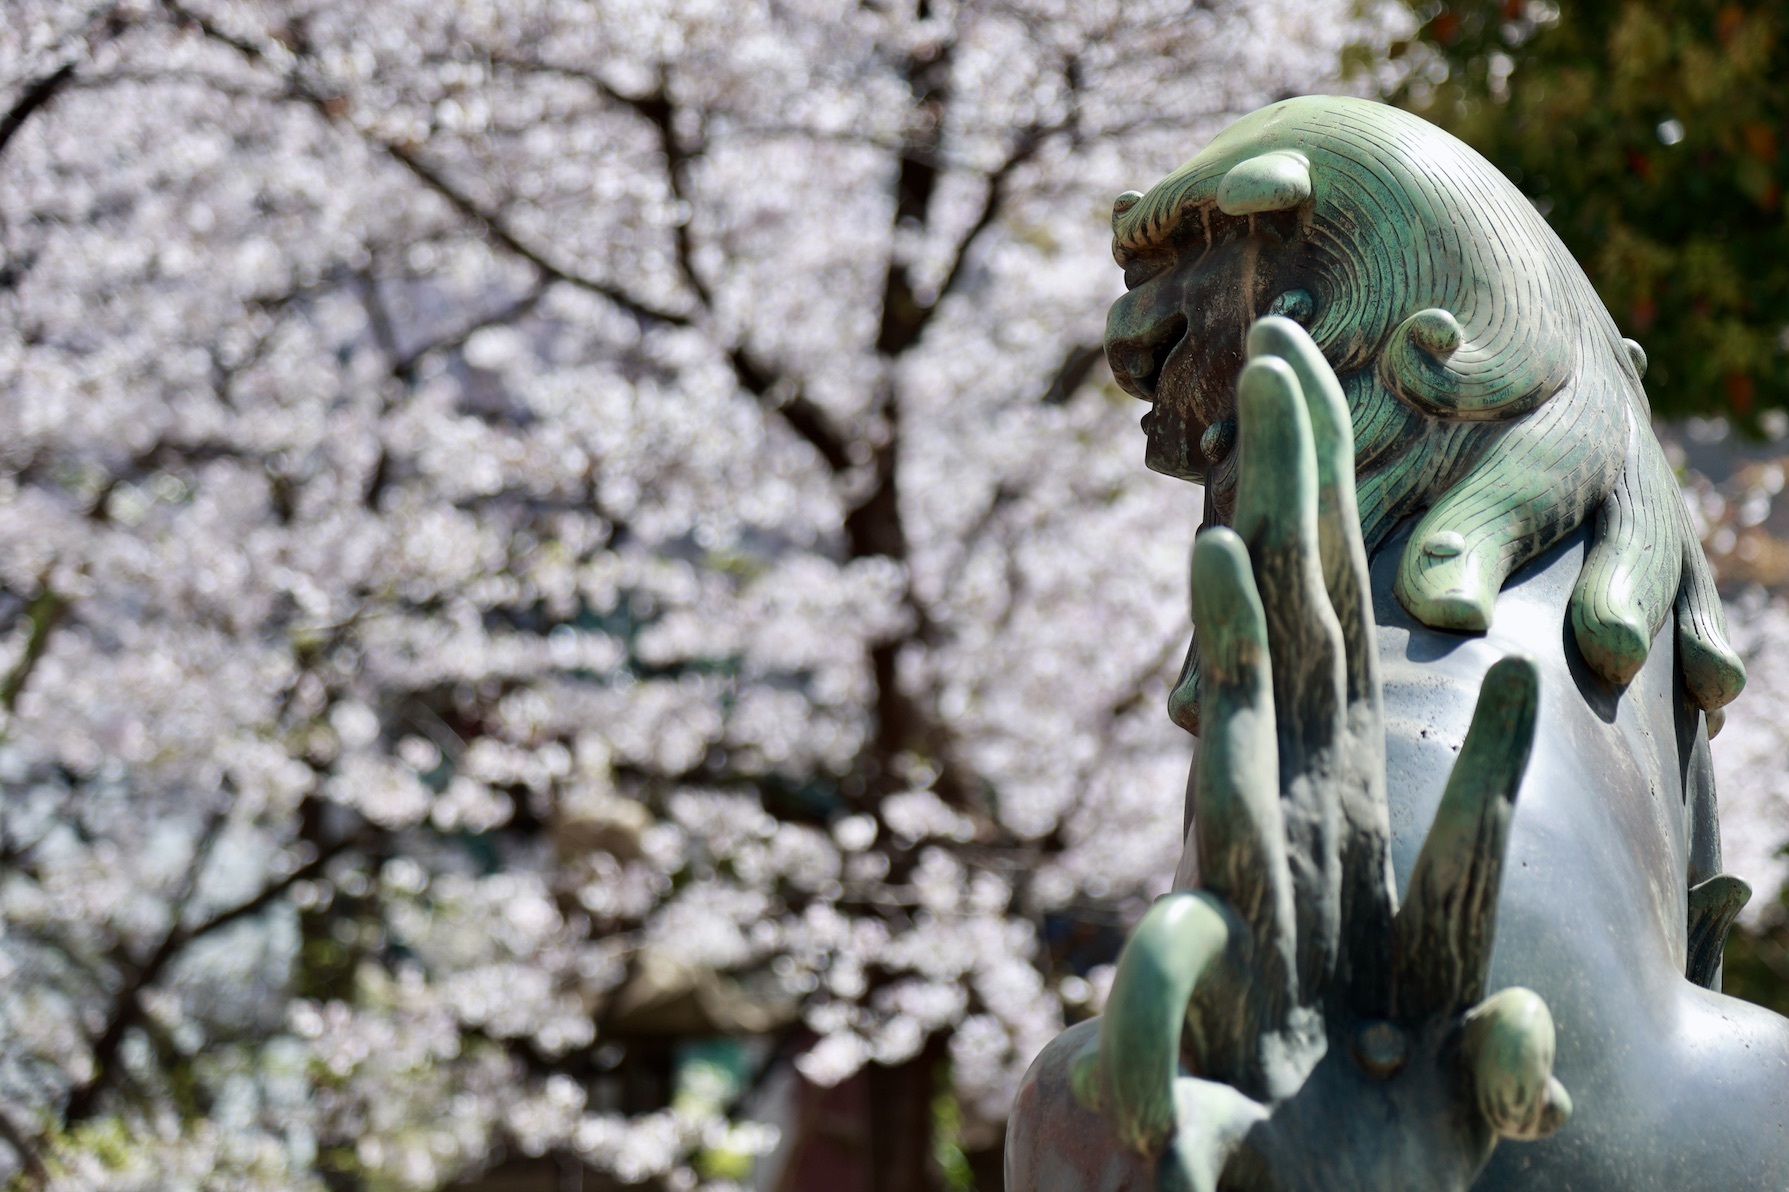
(1137, 363)
(1133, 363)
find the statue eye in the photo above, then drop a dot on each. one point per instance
(1297, 305)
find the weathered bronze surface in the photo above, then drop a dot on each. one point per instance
(1450, 913)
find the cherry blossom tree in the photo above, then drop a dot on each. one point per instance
(535, 531)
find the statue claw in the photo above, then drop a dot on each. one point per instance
(1508, 1048)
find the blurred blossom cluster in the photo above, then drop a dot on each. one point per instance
(532, 528)
(1733, 487)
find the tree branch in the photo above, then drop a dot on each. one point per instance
(495, 228)
(127, 1006)
(329, 107)
(1029, 141)
(657, 110)
(45, 612)
(1076, 365)
(379, 319)
(32, 100)
(41, 91)
(781, 397)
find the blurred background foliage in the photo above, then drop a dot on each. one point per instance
(1651, 136)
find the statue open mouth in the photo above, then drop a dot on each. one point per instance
(1138, 361)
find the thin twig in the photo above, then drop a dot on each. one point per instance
(127, 1006)
(45, 612)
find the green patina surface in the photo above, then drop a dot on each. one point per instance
(1350, 327)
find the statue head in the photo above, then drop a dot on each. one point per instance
(1394, 245)
(1489, 390)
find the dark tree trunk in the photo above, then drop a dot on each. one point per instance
(987, 1167)
(901, 1123)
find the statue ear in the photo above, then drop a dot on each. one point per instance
(1276, 181)
(1123, 203)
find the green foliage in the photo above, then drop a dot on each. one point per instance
(1651, 136)
(708, 1077)
(1756, 966)
(947, 1136)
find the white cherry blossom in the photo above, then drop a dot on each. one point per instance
(532, 523)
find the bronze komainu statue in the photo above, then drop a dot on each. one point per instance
(1453, 869)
